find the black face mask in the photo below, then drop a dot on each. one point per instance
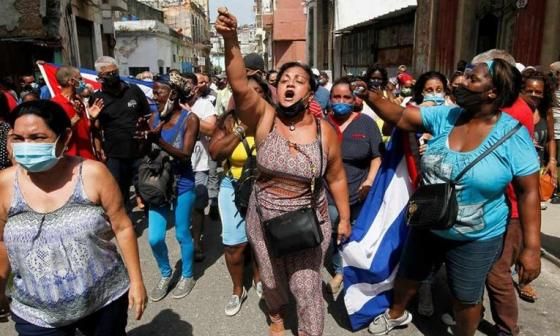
(375, 83)
(292, 110)
(111, 81)
(468, 99)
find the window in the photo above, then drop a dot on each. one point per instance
(133, 71)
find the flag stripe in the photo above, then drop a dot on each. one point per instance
(371, 257)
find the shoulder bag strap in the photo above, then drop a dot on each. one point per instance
(487, 152)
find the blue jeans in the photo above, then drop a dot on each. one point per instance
(333, 215)
(109, 320)
(157, 226)
(467, 262)
(233, 224)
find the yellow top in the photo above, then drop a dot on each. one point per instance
(238, 158)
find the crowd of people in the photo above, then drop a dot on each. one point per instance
(285, 159)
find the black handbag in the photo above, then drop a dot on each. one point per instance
(434, 206)
(296, 230)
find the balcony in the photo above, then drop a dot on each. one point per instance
(117, 5)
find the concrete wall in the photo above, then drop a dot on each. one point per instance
(288, 51)
(148, 50)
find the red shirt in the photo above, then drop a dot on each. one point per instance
(12, 103)
(80, 143)
(316, 109)
(522, 113)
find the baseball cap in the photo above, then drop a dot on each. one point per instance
(254, 61)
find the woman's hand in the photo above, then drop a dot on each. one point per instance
(226, 23)
(552, 170)
(529, 265)
(344, 231)
(137, 299)
(96, 108)
(363, 191)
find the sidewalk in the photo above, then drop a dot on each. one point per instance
(550, 233)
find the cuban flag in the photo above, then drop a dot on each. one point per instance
(48, 70)
(371, 256)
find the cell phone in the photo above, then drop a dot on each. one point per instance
(359, 90)
(421, 141)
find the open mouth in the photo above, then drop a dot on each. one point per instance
(289, 95)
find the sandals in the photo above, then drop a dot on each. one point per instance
(527, 293)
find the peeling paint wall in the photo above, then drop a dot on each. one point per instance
(9, 15)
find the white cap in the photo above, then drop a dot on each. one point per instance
(520, 67)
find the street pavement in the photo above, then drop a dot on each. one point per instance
(202, 312)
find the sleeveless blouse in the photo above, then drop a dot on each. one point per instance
(175, 137)
(64, 263)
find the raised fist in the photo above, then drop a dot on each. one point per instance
(226, 23)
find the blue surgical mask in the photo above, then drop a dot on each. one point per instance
(437, 98)
(81, 87)
(36, 157)
(342, 109)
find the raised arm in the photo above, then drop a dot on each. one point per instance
(249, 105)
(408, 119)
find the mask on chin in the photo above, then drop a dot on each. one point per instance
(292, 110)
(167, 108)
(436, 98)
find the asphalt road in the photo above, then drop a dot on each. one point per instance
(202, 312)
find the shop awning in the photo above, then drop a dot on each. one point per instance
(350, 14)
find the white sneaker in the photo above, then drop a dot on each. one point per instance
(383, 323)
(425, 302)
(233, 306)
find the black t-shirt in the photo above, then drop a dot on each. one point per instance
(361, 143)
(118, 121)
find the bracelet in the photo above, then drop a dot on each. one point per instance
(239, 132)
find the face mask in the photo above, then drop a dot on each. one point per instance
(292, 110)
(36, 157)
(437, 98)
(81, 87)
(111, 81)
(375, 83)
(168, 107)
(342, 109)
(406, 92)
(34, 86)
(322, 81)
(467, 99)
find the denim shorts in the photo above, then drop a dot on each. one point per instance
(467, 262)
(233, 224)
(201, 189)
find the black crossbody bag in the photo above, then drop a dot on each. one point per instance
(434, 206)
(299, 229)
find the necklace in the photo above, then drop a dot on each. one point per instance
(292, 127)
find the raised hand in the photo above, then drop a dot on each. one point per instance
(226, 23)
(96, 108)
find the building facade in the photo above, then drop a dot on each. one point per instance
(149, 45)
(428, 34)
(284, 24)
(62, 31)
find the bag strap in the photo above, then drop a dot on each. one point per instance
(248, 148)
(487, 152)
(182, 120)
(313, 179)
